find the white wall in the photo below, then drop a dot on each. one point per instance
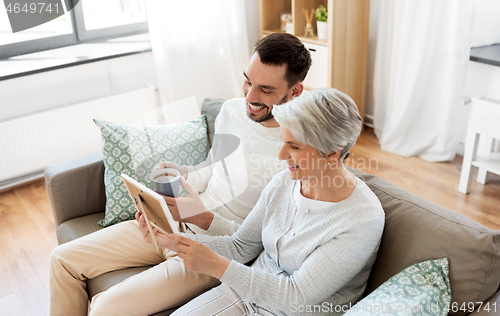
(52, 89)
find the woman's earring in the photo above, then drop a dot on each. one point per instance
(329, 163)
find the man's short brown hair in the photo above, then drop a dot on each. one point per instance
(282, 48)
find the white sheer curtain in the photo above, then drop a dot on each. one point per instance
(420, 66)
(200, 48)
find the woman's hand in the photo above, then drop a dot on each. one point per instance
(169, 164)
(198, 257)
(189, 209)
(161, 238)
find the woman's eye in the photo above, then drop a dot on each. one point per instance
(294, 148)
(248, 83)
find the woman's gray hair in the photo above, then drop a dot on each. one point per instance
(325, 119)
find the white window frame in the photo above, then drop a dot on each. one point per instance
(79, 35)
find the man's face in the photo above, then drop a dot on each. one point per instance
(264, 87)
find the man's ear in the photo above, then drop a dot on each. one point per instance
(297, 89)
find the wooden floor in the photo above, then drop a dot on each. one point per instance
(27, 236)
(27, 230)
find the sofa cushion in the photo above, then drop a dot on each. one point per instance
(421, 289)
(135, 149)
(107, 280)
(417, 230)
(78, 227)
(211, 108)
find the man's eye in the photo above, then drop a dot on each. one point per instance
(266, 92)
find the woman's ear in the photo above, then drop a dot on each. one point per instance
(333, 157)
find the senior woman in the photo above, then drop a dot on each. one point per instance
(315, 230)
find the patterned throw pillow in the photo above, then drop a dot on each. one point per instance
(134, 150)
(421, 289)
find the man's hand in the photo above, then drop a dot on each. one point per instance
(189, 209)
(161, 238)
(168, 164)
(198, 257)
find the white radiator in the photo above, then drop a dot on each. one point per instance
(29, 144)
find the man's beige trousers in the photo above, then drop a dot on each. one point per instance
(169, 283)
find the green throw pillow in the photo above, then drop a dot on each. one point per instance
(134, 150)
(421, 289)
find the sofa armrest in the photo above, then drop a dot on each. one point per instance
(76, 187)
(490, 307)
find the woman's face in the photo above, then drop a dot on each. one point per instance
(304, 162)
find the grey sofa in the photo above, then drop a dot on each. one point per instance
(416, 230)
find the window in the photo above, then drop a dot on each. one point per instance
(98, 14)
(486, 29)
(89, 19)
(59, 26)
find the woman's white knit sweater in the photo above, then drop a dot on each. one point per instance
(327, 261)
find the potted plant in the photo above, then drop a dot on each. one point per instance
(321, 20)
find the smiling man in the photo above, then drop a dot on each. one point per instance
(264, 85)
(274, 75)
